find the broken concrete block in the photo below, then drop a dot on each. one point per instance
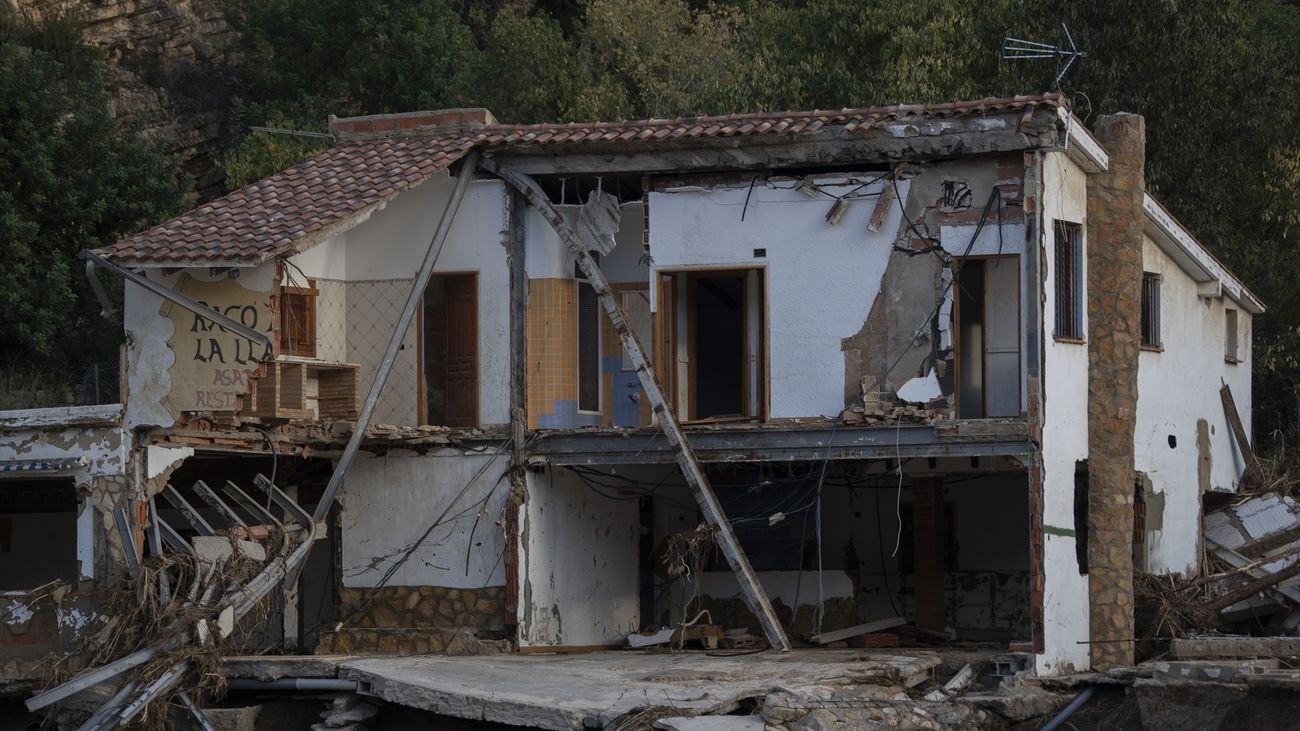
(226, 622)
(212, 549)
(1224, 671)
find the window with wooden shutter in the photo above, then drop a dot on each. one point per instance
(298, 320)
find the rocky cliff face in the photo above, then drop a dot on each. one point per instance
(167, 61)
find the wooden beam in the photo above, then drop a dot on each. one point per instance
(905, 139)
(1239, 431)
(750, 588)
(825, 638)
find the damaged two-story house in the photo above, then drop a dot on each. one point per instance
(948, 362)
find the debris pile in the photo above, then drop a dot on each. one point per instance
(162, 635)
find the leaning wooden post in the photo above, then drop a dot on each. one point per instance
(752, 591)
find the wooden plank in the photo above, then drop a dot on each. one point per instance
(861, 629)
(1239, 431)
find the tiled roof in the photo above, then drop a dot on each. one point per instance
(379, 157)
(258, 221)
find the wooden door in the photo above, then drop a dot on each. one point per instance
(451, 351)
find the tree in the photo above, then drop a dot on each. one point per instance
(73, 180)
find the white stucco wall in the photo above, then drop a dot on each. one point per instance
(1176, 388)
(1065, 435)
(579, 564)
(390, 501)
(809, 265)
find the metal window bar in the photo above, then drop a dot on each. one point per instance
(1068, 265)
(1151, 310)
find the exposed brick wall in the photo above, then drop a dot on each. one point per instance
(1114, 337)
(552, 347)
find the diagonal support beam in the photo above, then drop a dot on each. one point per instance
(750, 588)
(413, 300)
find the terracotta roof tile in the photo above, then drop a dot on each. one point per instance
(272, 216)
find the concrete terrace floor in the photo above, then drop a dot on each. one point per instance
(574, 691)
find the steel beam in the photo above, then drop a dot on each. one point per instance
(750, 587)
(94, 260)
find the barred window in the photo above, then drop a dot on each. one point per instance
(1230, 336)
(1068, 266)
(1150, 310)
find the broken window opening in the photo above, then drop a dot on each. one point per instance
(449, 351)
(1150, 310)
(1230, 352)
(38, 532)
(713, 327)
(987, 314)
(298, 320)
(1081, 515)
(1068, 266)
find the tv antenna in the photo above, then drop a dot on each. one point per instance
(1021, 49)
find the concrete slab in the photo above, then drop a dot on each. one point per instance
(711, 723)
(593, 690)
(274, 667)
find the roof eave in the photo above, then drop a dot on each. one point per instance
(1191, 255)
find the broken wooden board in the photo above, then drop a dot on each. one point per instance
(861, 629)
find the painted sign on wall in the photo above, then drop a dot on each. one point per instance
(213, 365)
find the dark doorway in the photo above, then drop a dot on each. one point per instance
(719, 346)
(38, 532)
(450, 350)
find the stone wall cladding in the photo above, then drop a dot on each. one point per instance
(424, 607)
(1114, 336)
(402, 642)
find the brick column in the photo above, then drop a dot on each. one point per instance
(1114, 335)
(928, 551)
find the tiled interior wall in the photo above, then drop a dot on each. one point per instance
(373, 308)
(332, 320)
(553, 362)
(553, 355)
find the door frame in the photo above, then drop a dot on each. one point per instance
(422, 403)
(667, 323)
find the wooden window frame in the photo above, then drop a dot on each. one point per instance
(1068, 276)
(305, 345)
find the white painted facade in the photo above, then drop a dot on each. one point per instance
(578, 564)
(389, 502)
(1065, 432)
(1178, 386)
(821, 279)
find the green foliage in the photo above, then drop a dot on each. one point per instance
(72, 180)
